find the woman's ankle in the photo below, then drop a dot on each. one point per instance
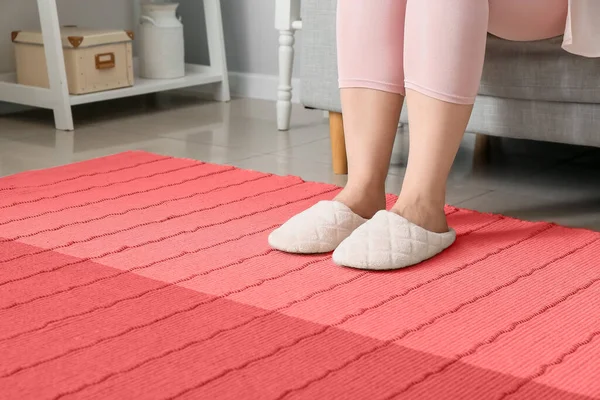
(363, 200)
(425, 213)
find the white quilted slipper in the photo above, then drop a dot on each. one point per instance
(389, 241)
(319, 229)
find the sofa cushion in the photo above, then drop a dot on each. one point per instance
(550, 121)
(539, 70)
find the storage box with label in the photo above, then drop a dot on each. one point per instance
(95, 60)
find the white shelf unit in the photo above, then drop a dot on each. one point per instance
(57, 97)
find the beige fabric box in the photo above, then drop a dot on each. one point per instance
(95, 60)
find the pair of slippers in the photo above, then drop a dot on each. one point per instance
(385, 242)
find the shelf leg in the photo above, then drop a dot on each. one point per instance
(57, 74)
(64, 147)
(216, 47)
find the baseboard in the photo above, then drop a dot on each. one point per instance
(253, 86)
(258, 86)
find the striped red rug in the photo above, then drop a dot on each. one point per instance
(139, 276)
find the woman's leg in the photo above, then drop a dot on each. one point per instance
(444, 59)
(370, 40)
(444, 54)
(444, 51)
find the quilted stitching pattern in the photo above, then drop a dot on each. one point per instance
(389, 241)
(319, 229)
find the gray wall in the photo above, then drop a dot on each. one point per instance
(250, 37)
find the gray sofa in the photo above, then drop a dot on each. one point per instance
(530, 90)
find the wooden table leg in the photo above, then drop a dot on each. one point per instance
(481, 152)
(338, 144)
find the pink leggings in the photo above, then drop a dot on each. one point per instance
(435, 47)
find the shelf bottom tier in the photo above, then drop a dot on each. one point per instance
(196, 75)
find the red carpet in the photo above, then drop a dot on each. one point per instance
(143, 276)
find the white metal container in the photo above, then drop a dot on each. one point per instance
(162, 45)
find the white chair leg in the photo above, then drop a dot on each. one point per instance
(216, 47)
(284, 90)
(57, 74)
(287, 21)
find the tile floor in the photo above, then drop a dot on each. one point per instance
(528, 180)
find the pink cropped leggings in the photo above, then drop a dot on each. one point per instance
(435, 47)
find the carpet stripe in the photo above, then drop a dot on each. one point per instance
(129, 194)
(557, 361)
(92, 174)
(160, 168)
(120, 300)
(194, 307)
(499, 334)
(116, 214)
(164, 214)
(112, 232)
(136, 268)
(77, 203)
(126, 160)
(571, 369)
